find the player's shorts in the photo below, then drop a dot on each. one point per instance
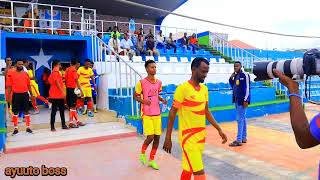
(35, 89)
(20, 102)
(87, 92)
(151, 125)
(71, 97)
(192, 157)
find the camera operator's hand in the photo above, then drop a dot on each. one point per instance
(292, 86)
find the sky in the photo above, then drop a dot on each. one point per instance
(281, 16)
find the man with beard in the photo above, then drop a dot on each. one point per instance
(191, 104)
(19, 85)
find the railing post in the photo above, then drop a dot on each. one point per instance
(95, 21)
(127, 80)
(82, 20)
(12, 17)
(51, 19)
(135, 80)
(32, 17)
(131, 91)
(70, 24)
(120, 79)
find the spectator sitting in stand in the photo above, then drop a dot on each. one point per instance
(126, 44)
(140, 46)
(115, 31)
(140, 32)
(185, 42)
(160, 40)
(150, 34)
(193, 43)
(109, 30)
(171, 43)
(114, 43)
(77, 32)
(151, 48)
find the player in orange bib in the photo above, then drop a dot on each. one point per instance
(191, 104)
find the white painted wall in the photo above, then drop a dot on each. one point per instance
(168, 72)
(102, 96)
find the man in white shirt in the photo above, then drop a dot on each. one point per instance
(114, 43)
(160, 41)
(126, 45)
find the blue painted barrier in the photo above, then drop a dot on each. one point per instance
(3, 126)
(220, 116)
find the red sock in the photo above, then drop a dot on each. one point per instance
(90, 105)
(34, 104)
(70, 116)
(27, 120)
(15, 120)
(43, 99)
(80, 103)
(200, 177)
(75, 115)
(152, 153)
(186, 175)
(144, 148)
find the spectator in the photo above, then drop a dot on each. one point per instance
(240, 83)
(114, 43)
(109, 30)
(150, 47)
(126, 44)
(115, 31)
(150, 34)
(140, 46)
(132, 25)
(185, 42)
(160, 40)
(27, 23)
(193, 43)
(77, 32)
(171, 43)
(99, 35)
(140, 32)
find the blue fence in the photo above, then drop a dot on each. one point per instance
(218, 98)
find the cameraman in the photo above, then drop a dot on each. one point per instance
(306, 135)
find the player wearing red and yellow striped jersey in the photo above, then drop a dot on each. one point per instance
(191, 104)
(85, 74)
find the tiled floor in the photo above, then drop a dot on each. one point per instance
(271, 153)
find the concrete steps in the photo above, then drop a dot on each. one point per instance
(42, 120)
(43, 139)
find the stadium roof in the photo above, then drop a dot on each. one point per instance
(116, 8)
(241, 44)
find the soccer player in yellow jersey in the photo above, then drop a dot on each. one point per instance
(85, 74)
(147, 93)
(35, 94)
(191, 104)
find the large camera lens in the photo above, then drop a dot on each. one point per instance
(263, 70)
(260, 70)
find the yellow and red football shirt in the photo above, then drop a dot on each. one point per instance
(191, 103)
(84, 77)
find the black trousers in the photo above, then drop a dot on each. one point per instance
(57, 103)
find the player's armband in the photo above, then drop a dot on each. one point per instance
(315, 127)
